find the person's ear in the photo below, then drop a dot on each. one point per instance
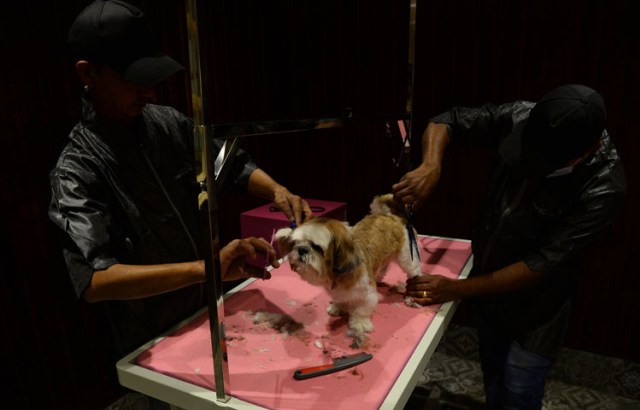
(87, 72)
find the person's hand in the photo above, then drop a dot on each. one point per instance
(432, 289)
(294, 207)
(234, 256)
(416, 185)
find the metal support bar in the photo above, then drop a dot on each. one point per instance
(411, 73)
(214, 283)
(204, 153)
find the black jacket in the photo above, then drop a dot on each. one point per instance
(129, 195)
(547, 223)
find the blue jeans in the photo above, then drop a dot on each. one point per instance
(513, 377)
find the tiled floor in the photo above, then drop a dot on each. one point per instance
(453, 380)
(578, 381)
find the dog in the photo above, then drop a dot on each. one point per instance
(348, 262)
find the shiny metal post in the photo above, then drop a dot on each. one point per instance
(411, 71)
(206, 178)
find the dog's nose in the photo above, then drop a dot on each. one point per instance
(303, 250)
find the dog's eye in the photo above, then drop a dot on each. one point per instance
(317, 248)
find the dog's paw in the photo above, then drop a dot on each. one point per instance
(360, 326)
(335, 310)
(358, 341)
(359, 338)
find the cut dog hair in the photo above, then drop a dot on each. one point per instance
(348, 262)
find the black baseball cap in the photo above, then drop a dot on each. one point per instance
(564, 124)
(115, 33)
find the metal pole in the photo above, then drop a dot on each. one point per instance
(411, 73)
(204, 151)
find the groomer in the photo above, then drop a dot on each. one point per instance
(124, 192)
(558, 185)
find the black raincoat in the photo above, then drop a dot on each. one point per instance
(547, 223)
(129, 196)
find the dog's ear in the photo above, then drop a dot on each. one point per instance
(282, 237)
(341, 255)
(344, 264)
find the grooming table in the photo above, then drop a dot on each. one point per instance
(276, 326)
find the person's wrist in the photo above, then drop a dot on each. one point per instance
(429, 165)
(198, 270)
(279, 190)
(426, 166)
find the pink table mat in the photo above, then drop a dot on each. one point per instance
(276, 326)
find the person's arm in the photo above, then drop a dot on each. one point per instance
(440, 289)
(482, 126)
(415, 186)
(125, 282)
(263, 186)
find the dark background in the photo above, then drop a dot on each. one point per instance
(308, 59)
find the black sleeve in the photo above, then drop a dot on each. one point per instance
(486, 125)
(80, 210)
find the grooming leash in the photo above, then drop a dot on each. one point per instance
(413, 241)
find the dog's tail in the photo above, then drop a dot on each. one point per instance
(386, 205)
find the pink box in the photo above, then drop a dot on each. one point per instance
(263, 220)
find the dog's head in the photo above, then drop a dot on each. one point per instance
(320, 250)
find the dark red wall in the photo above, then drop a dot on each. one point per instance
(291, 60)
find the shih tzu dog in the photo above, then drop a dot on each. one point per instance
(348, 262)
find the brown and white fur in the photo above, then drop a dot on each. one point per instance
(348, 262)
